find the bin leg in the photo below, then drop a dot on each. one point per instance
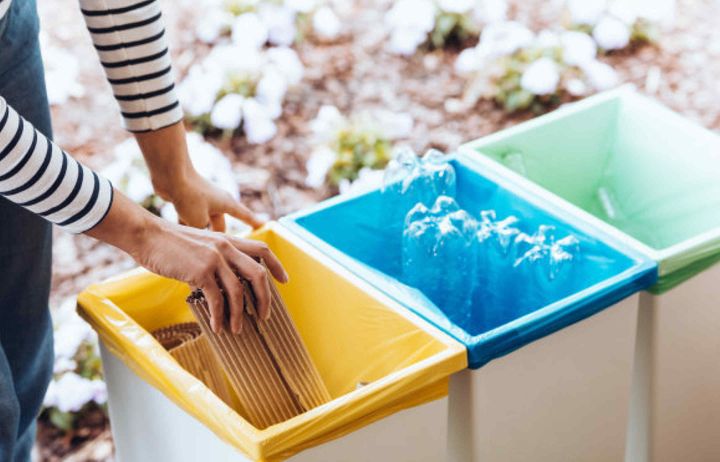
(639, 421)
(562, 397)
(684, 418)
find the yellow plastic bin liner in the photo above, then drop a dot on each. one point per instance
(355, 335)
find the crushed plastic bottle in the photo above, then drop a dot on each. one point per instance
(548, 262)
(410, 180)
(438, 256)
(495, 242)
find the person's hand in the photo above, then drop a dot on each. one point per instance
(198, 202)
(204, 259)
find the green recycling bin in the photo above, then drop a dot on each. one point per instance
(645, 174)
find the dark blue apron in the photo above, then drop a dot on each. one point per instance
(26, 351)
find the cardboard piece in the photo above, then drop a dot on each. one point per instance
(191, 349)
(267, 364)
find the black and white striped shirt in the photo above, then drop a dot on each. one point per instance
(34, 173)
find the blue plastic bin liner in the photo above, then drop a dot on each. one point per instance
(354, 231)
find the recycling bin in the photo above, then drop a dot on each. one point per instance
(387, 371)
(550, 377)
(648, 176)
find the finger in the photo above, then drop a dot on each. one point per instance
(216, 304)
(217, 223)
(243, 213)
(260, 249)
(257, 275)
(234, 296)
(261, 287)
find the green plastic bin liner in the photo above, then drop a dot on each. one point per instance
(632, 163)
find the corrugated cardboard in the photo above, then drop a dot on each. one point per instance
(267, 364)
(191, 349)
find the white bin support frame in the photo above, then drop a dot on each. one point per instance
(676, 393)
(564, 397)
(147, 426)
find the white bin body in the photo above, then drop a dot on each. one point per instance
(147, 426)
(564, 397)
(676, 396)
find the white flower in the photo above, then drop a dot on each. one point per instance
(405, 41)
(169, 213)
(547, 39)
(326, 24)
(138, 187)
(61, 73)
(301, 6)
(456, 6)
(227, 113)
(232, 59)
(271, 89)
(623, 11)
(287, 62)
(71, 392)
(576, 87)
(212, 24)
(64, 365)
(577, 48)
(409, 21)
(611, 33)
(258, 126)
(412, 14)
(211, 164)
(657, 11)
(70, 331)
(280, 22)
(198, 91)
(327, 123)
(318, 165)
(600, 75)
(586, 11)
(468, 61)
(248, 31)
(490, 11)
(367, 180)
(504, 38)
(541, 77)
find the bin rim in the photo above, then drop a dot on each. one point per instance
(670, 259)
(451, 358)
(483, 348)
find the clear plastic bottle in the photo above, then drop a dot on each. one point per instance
(438, 257)
(495, 242)
(409, 180)
(548, 265)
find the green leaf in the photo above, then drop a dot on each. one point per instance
(62, 420)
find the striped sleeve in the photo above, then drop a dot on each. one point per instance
(37, 175)
(129, 36)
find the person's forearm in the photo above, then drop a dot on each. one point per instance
(126, 225)
(165, 152)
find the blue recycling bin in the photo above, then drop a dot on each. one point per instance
(550, 370)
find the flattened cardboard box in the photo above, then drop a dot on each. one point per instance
(268, 366)
(191, 349)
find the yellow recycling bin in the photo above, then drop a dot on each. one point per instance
(386, 369)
